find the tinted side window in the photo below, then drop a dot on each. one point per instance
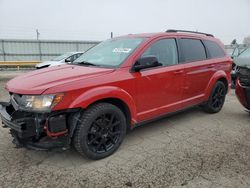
(192, 50)
(214, 49)
(165, 50)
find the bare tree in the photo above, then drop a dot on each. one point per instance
(246, 40)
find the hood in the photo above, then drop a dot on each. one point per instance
(242, 62)
(36, 82)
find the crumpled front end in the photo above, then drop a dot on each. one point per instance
(37, 130)
(242, 89)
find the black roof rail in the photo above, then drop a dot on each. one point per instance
(185, 31)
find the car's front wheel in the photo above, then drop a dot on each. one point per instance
(100, 131)
(216, 99)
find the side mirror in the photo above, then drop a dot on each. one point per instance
(146, 62)
(67, 60)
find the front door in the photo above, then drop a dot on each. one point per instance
(159, 89)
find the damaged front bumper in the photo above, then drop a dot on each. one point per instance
(41, 131)
(243, 95)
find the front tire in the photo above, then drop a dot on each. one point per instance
(100, 131)
(216, 99)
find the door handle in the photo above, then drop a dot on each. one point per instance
(210, 66)
(179, 72)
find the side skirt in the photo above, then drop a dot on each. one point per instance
(164, 116)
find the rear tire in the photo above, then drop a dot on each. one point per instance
(216, 99)
(100, 131)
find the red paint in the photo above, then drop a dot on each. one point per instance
(147, 94)
(241, 95)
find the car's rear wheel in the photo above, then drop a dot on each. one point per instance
(216, 99)
(100, 131)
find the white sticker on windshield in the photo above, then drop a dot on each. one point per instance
(121, 50)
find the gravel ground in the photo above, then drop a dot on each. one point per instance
(190, 149)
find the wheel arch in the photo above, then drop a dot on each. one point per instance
(112, 95)
(225, 82)
(120, 104)
(218, 76)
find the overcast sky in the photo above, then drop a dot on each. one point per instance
(95, 19)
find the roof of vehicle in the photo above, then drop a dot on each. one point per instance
(159, 34)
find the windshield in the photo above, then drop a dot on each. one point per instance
(246, 53)
(61, 57)
(110, 53)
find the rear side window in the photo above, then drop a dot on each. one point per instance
(214, 50)
(192, 50)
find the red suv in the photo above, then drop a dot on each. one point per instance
(115, 86)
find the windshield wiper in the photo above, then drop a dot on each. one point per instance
(86, 63)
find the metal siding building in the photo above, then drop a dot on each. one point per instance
(39, 50)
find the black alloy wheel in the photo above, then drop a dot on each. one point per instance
(104, 133)
(100, 131)
(216, 99)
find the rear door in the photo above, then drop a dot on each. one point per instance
(198, 70)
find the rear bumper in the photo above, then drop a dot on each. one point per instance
(38, 131)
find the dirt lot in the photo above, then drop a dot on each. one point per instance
(190, 149)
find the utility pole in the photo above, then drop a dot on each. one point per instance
(39, 44)
(37, 34)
